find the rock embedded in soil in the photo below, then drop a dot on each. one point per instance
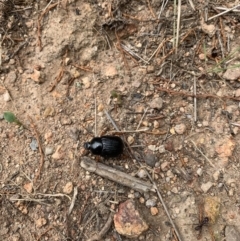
(156, 103)
(150, 159)
(154, 211)
(180, 128)
(40, 222)
(48, 150)
(212, 208)
(142, 173)
(206, 186)
(232, 72)
(6, 96)
(128, 221)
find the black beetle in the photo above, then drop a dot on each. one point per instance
(105, 146)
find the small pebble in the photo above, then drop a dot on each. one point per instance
(151, 202)
(131, 195)
(164, 166)
(205, 123)
(180, 128)
(154, 211)
(168, 179)
(88, 177)
(100, 107)
(161, 149)
(216, 175)
(145, 123)
(150, 159)
(6, 96)
(150, 69)
(237, 93)
(231, 192)
(142, 173)
(206, 186)
(174, 190)
(156, 124)
(48, 150)
(199, 171)
(86, 82)
(169, 174)
(130, 140)
(40, 222)
(152, 147)
(156, 103)
(202, 56)
(141, 200)
(12, 61)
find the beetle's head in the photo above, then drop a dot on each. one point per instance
(87, 145)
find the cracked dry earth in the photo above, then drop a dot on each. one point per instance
(91, 56)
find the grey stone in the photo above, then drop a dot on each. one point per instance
(150, 160)
(151, 202)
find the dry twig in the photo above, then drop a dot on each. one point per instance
(57, 80)
(39, 23)
(181, 93)
(202, 153)
(226, 11)
(75, 192)
(115, 175)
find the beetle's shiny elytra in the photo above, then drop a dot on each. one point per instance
(105, 146)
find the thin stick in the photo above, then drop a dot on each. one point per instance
(140, 122)
(56, 80)
(182, 93)
(0, 50)
(151, 10)
(111, 120)
(227, 11)
(202, 154)
(39, 31)
(222, 8)
(235, 124)
(95, 126)
(104, 230)
(164, 3)
(45, 232)
(75, 192)
(133, 54)
(195, 98)
(54, 195)
(158, 48)
(174, 23)
(191, 4)
(131, 131)
(178, 24)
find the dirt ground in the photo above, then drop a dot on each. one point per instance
(64, 63)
